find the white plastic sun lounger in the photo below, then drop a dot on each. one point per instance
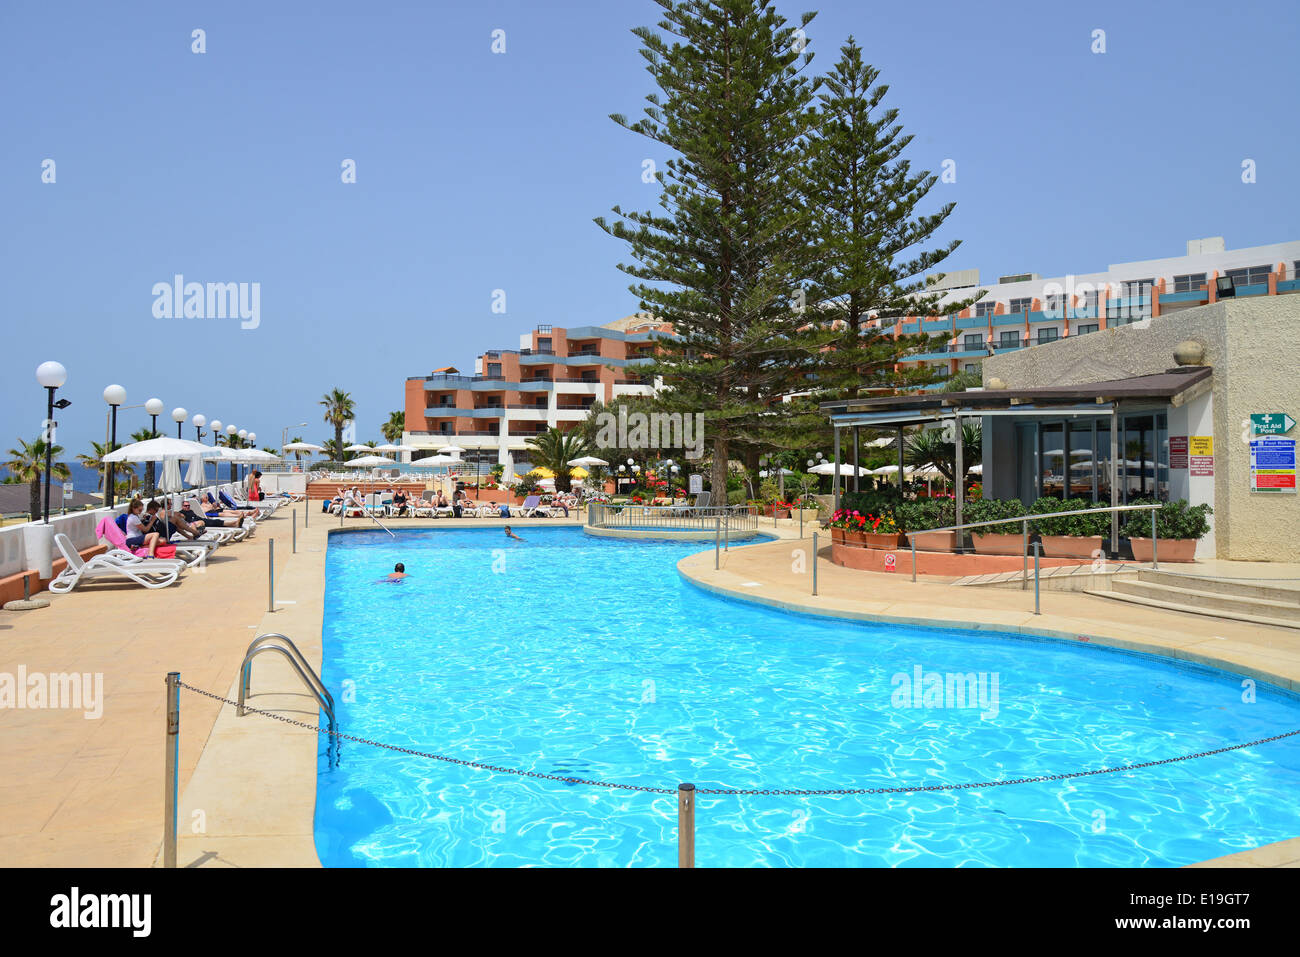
(151, 573)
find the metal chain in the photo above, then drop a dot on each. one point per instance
(794, 792)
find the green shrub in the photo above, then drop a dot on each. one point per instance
(1174, 520)
(737, 496)
(991, 509)
(925, 513)
(1079, 525)
(883, 501)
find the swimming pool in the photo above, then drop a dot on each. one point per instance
(592, 657)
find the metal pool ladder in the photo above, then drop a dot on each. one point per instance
(262, 643)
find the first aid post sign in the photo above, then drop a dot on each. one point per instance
(1271, 423)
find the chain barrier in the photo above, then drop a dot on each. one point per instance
(792, 792)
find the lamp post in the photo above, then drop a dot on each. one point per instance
(284, 433)
(154, 407)
(199, 421)
(216, 431)
(51, 375)
(179, 416)
(230, 441)
(115, 396)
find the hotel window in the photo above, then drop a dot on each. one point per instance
(1085, 328)
(1087, 303)
(494, 370)
(975, 341)
(1009, 340)
(1053, 305)
(1248, 276)
(1021, 305)
(1138, 287)
(1190, 282)
(543, 345)
(1048, 335)
(983, 309)
(971, 367)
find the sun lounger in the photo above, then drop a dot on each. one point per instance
(188, 552)
(531, 508)
(150, 573)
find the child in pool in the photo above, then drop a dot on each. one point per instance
(397, 574)
(510, 534)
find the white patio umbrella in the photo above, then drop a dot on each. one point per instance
(587, 461)
(828, 468)
(450, 450)
(976, 470)
(387, 447)
(370, 462)
(508, 475)
(195, 474)
(302, 447)
(157, 450)
(171, 475)
(256, 456)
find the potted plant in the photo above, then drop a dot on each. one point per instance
(1005, 539)
(839, 525)
(927, 513)
(1071, 536)
(1179, 527)
(882, 532)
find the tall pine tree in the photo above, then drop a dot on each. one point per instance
(725, 259)
(870, 233)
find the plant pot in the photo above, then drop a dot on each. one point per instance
(1169, 549)
(1071, 546)
(886, 540)
(807, 514)
(857, 539)
(837, 536)
(992, 544)
(935, 541)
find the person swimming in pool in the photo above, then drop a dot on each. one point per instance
(510, 534)
(397, 574)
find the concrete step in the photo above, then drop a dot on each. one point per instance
(1240, 588)
(1194, 596)
(1171, 603)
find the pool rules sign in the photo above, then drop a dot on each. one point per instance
(1272, 465)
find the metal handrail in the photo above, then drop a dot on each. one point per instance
(1026, 519)
(1030, 518)
(305, 671)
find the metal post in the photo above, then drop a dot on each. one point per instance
(814, 563)
(171, 767)
(49, 447)
(912, 539)
(1024, 541)
(726, 521)
(1155, 556)
(801, 515)
(717, 532)
(1037, 546)
(960, 498)
(295, 531)
(686, 825)
(270, 574)
(835, 479)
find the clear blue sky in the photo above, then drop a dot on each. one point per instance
(479, 171)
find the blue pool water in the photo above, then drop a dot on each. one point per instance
(590, 657)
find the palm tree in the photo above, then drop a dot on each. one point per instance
(143, 436)
(339, 410)
(554, 450)
(27, 464)
(392, 429)
(333, 449)
(931, 447)
(297, 453)
(95, 460)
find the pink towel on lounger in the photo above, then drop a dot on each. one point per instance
(108, 531)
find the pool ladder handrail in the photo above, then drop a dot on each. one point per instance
(305, 671)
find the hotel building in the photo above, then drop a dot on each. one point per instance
(1021, 311)
(550, 381)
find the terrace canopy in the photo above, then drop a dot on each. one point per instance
(898, 412)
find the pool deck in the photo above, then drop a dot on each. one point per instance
(90, 792)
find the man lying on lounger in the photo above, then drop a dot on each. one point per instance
(214, 509)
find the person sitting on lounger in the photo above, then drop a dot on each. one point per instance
(198, 521)
(140, 531)
(399, 502)
(174, 521)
